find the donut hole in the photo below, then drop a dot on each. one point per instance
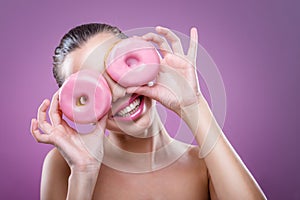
(132, 61)
(82, 100)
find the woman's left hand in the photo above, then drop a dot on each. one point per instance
(177, 84)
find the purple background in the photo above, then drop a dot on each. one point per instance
(255, 45)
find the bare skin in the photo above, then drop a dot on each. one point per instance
(76, 170)
(184, 179)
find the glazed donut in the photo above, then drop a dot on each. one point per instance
(133, 62)
(85, 97)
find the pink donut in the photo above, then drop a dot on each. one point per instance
(85, 97)
(133, 62)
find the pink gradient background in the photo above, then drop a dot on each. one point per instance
(255, 45)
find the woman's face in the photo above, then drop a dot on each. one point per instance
(91, 55)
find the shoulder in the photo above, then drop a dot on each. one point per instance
(55, 176)
(53, 155)
(193, 156)
(190, 158)
(55, 161)
(193, 171)
(197, 165)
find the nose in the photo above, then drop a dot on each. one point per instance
(117, 90)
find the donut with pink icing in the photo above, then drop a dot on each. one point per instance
(85, 97)
(133, 62)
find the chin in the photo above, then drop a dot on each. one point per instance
(138, 123)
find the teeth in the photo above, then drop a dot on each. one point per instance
(130, 109)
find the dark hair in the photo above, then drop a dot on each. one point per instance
(74, 39)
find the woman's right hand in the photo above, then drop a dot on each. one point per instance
(81, 152)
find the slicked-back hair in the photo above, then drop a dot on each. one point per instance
(75, 38)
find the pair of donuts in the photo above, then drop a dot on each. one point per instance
(85, 96)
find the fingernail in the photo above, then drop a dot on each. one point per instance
(150, 84)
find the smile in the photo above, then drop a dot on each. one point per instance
(132, 111)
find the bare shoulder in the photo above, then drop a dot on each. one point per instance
(55, 175)
(193, 155)
(55, 162)
(192, 171)
(190, 159)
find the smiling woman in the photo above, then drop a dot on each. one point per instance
(133, 160)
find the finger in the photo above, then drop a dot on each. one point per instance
(115, 88)
(55, 113)
(177, 62)
(137, 36)
(149, 91)
(65, 124)
(94, 140)
(42, 117)
(172, 38)
(38, 136)
(162, 43)
(101, 124)
(192, 52)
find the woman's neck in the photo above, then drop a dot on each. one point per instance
(156, 137)
(139, 155)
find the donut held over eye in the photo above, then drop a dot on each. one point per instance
(85, 97)
(133, 62)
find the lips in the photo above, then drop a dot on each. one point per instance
(130, 110)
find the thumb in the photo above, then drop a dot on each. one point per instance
(93, 142)
(101, 124)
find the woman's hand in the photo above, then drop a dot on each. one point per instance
(81, 152)
(177, 84)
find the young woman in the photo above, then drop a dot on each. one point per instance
(138, 159)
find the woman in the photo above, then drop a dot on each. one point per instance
(96, 166)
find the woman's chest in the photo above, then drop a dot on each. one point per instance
(164, 184)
